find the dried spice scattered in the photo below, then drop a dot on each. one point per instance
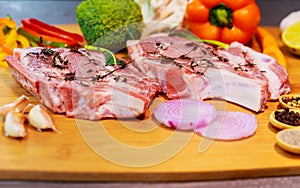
(56, 59)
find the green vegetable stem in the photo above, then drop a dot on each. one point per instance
(188, 35)
(35, 40)
(109, 56)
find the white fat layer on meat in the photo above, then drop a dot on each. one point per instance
(274, 81)
(158, 75)
(237, 89)
(122, 100)
(264, 64)
(215, 83)
(228, 86)
(50, 97)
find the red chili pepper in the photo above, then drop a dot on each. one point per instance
(52, 32)
(45, 37)
(35, 39)
(56, 29)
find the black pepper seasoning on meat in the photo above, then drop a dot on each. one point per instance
(70, 76)
(57, 58)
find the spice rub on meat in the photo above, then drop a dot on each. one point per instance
(189, 69)
(78, 83)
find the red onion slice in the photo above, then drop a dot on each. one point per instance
(229, 126)
(184, 114)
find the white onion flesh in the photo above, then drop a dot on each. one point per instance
(202, 118)
(229, 126)
(184, 114)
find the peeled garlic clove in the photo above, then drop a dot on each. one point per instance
(21, 103)
(39, 118)
(17, 105)
(14, 125)
(27, 108)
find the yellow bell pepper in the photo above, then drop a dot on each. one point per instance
(10, 39)
(2, 59)
(8, 22)
(23, 41)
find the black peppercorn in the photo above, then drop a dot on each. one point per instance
(288, 116)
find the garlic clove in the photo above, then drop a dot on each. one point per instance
(27, 108)
(14, 125)
(39, 118)
(21, 103)
(17, 105)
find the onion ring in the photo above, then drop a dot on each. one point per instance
(184, 114)
(229, 126)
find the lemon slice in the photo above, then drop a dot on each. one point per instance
(291, 38)
(289, 140)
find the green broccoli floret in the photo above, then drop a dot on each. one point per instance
(110, 23)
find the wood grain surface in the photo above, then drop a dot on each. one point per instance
(139, 149)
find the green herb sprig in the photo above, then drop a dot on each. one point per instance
(109, 56)
(188, 35)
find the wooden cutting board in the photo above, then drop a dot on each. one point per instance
(139, 149)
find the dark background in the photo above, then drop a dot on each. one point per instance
(62, 12)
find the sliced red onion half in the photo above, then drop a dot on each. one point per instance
(229, 126)
(184, 114)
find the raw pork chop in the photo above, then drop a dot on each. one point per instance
(78, 83)
(188, 69)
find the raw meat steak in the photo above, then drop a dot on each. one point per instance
(188, 69)
(78, 83)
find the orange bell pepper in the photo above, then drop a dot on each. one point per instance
(5, 22)
(223, 20)
(8, 22)
(9, 39)
(3, 39)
